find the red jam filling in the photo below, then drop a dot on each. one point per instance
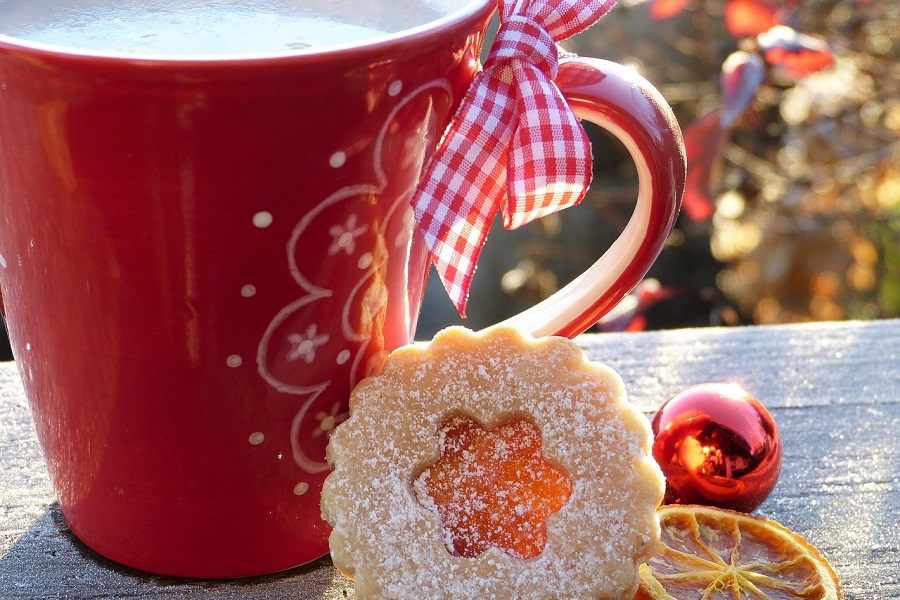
(493, 488)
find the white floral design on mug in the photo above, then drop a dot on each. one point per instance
(305, 344)
(345, 236)
(342, 328)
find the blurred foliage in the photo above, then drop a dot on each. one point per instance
(807, 199)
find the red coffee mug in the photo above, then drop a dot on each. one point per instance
(200, 257)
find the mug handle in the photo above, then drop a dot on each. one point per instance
(624, 103)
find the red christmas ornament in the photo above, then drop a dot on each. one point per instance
(718, 446)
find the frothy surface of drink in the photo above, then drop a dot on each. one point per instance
(179, 27)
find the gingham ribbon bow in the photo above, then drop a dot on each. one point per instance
(513, 146)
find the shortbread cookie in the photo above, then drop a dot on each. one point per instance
(492, 465)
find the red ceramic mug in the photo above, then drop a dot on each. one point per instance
(201, 255)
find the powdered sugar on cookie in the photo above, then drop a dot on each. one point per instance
(388, 532)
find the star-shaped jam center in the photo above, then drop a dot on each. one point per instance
(492, 488)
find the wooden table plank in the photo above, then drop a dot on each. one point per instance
(833, 388)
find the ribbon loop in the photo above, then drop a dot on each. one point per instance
(513, 146)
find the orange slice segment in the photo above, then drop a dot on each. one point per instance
(715, 554)
(493, 488)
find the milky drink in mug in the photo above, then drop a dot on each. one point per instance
(204, 27)
(206, 239)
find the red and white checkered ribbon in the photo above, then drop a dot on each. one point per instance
(513, 146)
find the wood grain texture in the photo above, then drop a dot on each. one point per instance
(834, 390)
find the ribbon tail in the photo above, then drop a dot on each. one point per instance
(550, 160)
(456, 258)
(463, 185)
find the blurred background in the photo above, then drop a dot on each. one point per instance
(791, 113)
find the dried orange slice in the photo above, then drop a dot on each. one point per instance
(715, 554)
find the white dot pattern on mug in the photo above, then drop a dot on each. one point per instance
(338, 159)
(395, 88)
(256, 438)
(234, 361)
(262, 219)
(248, 291)
(301, 488)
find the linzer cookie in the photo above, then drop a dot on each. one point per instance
(492, 465)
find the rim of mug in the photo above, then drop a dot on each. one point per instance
(469, 10)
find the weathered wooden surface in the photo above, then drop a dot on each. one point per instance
(834, 390)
